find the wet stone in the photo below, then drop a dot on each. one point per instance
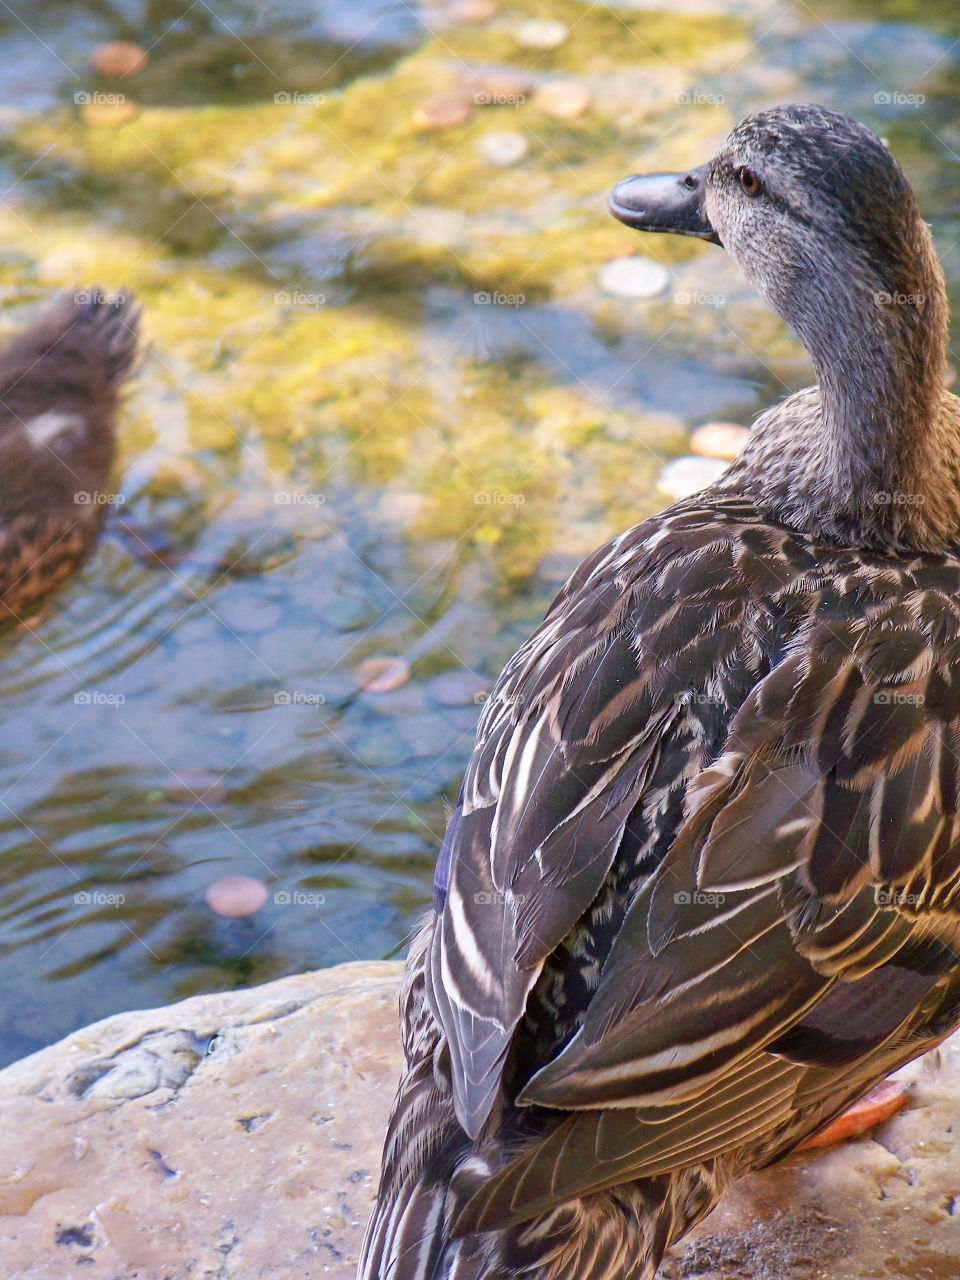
(684, 476)
(503, 147)
(457, 688)
(541, 33)
(441, 113)
(381, 674)
(563, 100)
(634, 277)
(719, 439)
(118, 58)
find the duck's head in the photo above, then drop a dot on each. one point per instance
(815, 211)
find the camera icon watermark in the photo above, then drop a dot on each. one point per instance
(893, 98)
(97, 698)
(98, 898)
(496, 498)
(94, 498)
(898, 698)
(294, 298)
(693, 98)
(294, 498)
(698, 898)
(84, 297)
(84, 97)
(293, 98)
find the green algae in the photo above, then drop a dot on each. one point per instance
(319, 375)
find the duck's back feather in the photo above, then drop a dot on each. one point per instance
(793, 709)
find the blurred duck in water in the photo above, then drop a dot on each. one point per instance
(59, 387)
(701, 891)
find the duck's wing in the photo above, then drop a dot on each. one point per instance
(572, 736)
(799, 940)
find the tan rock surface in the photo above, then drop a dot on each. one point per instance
(237, 1137)
(231, 1135)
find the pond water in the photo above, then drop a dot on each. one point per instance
(386, 408)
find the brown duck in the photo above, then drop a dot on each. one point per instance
(59, 386)
(702, 887)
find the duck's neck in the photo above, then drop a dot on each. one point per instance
(879, 453)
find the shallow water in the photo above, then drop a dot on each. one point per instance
(345, 448)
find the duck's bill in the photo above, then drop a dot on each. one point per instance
(664, 202)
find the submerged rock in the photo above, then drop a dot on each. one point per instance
(719, 439)
(118, 58)
(634, 277)
(541, 33)
(563, 99)
(441, 113)
(503, 147)
(684, 476)
(239, 1134)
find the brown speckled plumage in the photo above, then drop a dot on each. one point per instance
(59, 383)
(702, 887)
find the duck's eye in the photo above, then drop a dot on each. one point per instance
(750, 182)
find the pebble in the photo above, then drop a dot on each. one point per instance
(196, 790)
(503, 147)
(250, 616)
(108, 113)
(441, 113)
(541, 33)
(236, 895)
(563, 100)
(381, 674)
(474, 10)
(457, 689)
(349, 613)
(719, 439)
(118, 58)
(634, 277)
(684, 476)
(499, 88)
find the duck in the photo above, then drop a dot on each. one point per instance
(60, 381)
(701, 889)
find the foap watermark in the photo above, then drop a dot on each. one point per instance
(694, 98)
(294, 98)
(94, 498)
(494, 98)
(894, 98)
(486, 899)
(685, 299)
(84, 297)
(698, 698)
(83, 98)
(295, 498)
(898, 698)
(883, 299)
(294, 298)
(896, 898)
(299, 898)
(699, 899)
(298, 698)
(98, 698)
(497, 498)
(497, 299)
(98, 898)
(898, 499)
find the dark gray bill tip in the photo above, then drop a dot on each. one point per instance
(664, 202)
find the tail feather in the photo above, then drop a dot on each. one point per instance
(432, 1172)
